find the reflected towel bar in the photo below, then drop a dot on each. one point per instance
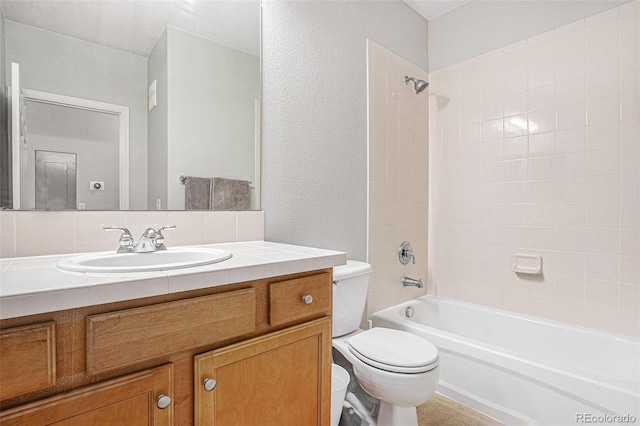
(183, 178)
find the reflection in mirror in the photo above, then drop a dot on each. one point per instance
(111, 102)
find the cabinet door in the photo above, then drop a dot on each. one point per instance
(282, 378)
(131, 400)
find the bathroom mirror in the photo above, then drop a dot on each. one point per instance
(111, 103)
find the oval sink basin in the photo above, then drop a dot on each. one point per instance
(174, 258)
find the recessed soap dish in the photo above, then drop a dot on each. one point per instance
(530, 264)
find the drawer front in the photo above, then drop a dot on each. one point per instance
(27, 359)
(286, 298)
(121, 338)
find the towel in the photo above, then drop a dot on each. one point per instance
(197, 193)
(230, 194)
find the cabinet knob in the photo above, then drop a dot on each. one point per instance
(209, 384)
(307, 299)
(163, 401)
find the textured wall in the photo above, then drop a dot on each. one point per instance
(535, 148)
(480, 26)
(314, 135)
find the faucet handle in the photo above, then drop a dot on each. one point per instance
(159, 240)
(126, 239)
(124, 230)
(405, 253)
(162, 228)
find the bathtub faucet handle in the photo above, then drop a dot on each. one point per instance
(405, 252)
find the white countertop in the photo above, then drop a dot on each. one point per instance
(33, 285)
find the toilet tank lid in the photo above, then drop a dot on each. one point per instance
(353, 268)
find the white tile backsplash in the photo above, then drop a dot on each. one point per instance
(575, 198)
(28, 233)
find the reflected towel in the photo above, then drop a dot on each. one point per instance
(197, 193)
(230, 194)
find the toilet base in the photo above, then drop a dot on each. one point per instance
(394, 415)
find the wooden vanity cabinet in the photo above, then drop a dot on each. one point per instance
(266, 343)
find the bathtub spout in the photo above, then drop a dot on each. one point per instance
(411, 282)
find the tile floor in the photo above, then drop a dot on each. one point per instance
(442, 411)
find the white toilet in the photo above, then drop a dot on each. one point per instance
(397, 367)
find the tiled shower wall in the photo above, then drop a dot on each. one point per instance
(535, 148)
(398, 176)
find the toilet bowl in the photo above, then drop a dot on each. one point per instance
(398, 368)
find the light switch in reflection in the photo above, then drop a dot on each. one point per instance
(153, 100)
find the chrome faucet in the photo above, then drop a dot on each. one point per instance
(411, 282)
(150, 241)
(126, 239)
(147, 242)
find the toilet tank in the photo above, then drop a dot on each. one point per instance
(349, 296)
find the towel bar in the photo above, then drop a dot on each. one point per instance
(183, 178)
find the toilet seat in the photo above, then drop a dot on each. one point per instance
(394, 351)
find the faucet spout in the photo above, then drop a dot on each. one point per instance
(411, 282)
(147, 243)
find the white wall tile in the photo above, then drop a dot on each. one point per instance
(575, 197)
(603, 215)
(603, 162)
(44, 233)
(542, 121)
(570, 239)
(602, 136)
(603, 110)
(570, 91)
(601, 267)
(540, 75)
(571, 140)
(7, 228)
(541, 144)
(603, 293)
(571, 115)
(515, 103)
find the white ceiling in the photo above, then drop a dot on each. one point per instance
(432, 8)
(135, 25)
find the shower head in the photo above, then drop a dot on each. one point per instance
(420, 85)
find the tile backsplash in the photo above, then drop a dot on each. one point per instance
(535, 148)
(32, 233)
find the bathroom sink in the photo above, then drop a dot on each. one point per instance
(173, 258)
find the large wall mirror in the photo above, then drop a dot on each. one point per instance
(131, 105)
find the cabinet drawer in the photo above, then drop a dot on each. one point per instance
(27, 359)
(286, 298)
(121, 338)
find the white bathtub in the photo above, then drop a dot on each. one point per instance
(524, 370)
